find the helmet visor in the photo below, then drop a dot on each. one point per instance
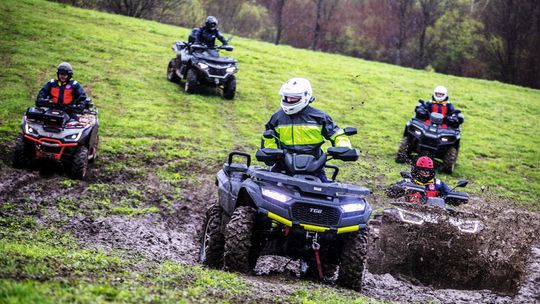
(439, 94)
(425, 172)
(291, 99)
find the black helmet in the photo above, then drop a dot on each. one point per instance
(64, 68)
(211, 23)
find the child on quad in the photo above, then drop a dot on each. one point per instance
(440, 103)
(423, 174)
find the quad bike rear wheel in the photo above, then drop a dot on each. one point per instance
(171, 73)
(79, 166)
(23, 153)
(449, 160)
(239, 252)
(212, 239)
(353, 258)
(229, 89)
(404, 150)
(191, 81)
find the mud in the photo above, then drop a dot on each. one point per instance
(507, 252)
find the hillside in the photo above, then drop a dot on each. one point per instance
(161, 147)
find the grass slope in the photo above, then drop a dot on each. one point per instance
(122, 61)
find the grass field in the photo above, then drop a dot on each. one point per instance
(121, 62)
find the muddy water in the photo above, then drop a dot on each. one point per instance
(508, 245)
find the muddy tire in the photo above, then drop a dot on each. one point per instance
(191, 81)
(23, 153)
(212, 239)
(353, 261)
(79, 165)
(93, 151)
(171, 74)
(404, 150)
(229, 89)
(449, 160)
(239, 255)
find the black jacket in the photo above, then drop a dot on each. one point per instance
(208, 37)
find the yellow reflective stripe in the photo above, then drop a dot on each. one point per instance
(292, 135)
(280, 219)
(315, 228)
(341, 140)
(269, 143)
(348, 229)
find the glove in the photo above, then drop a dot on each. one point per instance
(421, 112)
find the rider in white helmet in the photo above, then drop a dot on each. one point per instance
(439, 103)
(300, 127)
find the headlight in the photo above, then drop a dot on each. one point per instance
(278, 196)
(73, 137)
(417, 132)
(355, 207)
(30, 130)
(202, 65)
(444, 139)
(230, 70)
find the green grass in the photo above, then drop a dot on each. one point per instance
(121, 61)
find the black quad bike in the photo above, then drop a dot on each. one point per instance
(197, 64)
(430, 210)
(289, 213)
(433, 138)
(50, 133)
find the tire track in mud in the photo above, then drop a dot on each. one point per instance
(173, 233)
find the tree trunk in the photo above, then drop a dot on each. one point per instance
(279, 23)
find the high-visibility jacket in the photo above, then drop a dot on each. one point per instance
(305, 131)
(63, 93)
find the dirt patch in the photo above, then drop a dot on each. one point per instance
(85, 209)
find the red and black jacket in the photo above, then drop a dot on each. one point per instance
(62, 93)
(435, 188)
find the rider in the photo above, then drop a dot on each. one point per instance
(439, 103)
(423, 174)
(208, 33)
(63, 91)
(301, 128)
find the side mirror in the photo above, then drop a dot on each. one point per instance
(350, 131)
(462, 183)
(406, 174)
(421, 101)
(269, 134)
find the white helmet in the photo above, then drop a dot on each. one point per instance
(440, 94)
(297, 94)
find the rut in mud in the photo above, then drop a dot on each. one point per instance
(94, 211)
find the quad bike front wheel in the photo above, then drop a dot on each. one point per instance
(404, 150)
(191, 81)
(171, 73)
(239, 255)
(23, 153)
(229, 89)
(449, 160)
(93, 151)
(353, 258)
(212, 239)
(79, 166)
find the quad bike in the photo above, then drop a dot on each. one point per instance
(197, 64)
(289, 213)
(433, 138)
(51, 133)
(429, 210)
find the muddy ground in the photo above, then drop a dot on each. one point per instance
(499, 265)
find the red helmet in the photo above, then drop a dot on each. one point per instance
(424, 170)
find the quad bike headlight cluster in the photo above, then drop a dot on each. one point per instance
(354, 207)
(203, 66)
(230, 70)
(30, 130)
(73, 137)
(275, 195)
